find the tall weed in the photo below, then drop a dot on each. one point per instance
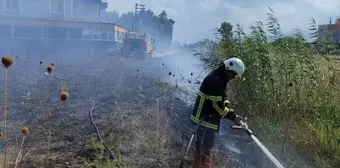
(289, 91)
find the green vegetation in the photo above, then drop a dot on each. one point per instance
(98, 159)
(290, 91)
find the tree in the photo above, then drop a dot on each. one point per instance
(109, 16)
(160, 27)
(226, 31)
(227, 44)
(165, 28)
(126, 20)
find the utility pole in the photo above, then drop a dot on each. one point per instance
(136, 24)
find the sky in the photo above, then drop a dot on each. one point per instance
(195, 19)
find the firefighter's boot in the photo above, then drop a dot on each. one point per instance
(207, 163)
(198, 160)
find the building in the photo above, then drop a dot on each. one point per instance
(56, 23)
(330, 31)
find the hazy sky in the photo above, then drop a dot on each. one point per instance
(195, 18)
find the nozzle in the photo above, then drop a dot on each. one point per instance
(244, 126)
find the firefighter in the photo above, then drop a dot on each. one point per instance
(211, 105)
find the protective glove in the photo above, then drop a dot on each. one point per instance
(238, 120)
(227, 103)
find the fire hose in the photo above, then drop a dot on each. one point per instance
(244, 126)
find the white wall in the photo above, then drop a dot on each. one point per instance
(68, 9)
(88, 12)
(1, 6)
(34, 8)
(41, 9)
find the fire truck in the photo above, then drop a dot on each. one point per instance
(135, 46)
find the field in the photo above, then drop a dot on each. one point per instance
(135, 108)
(127, 113)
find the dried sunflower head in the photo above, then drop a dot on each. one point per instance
(64, 96)
(50, 69)
(25, 130)
(7, 61)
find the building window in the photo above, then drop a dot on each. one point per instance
(96, 34)
(5, 31)
(74, 33)
(110, 34)
(21, 31)
(104, 35)
(12, 4)
(54, 32)
(57, 6)
(86, 34)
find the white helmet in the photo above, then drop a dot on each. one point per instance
(234, 64)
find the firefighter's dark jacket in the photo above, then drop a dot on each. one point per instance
(210, 101)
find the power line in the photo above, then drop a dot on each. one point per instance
(136, 24)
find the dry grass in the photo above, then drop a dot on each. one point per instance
(141, 120)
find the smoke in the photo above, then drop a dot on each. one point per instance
(81, 64)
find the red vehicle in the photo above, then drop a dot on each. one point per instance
(137, 46)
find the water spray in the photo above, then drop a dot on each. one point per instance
(244, 126)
